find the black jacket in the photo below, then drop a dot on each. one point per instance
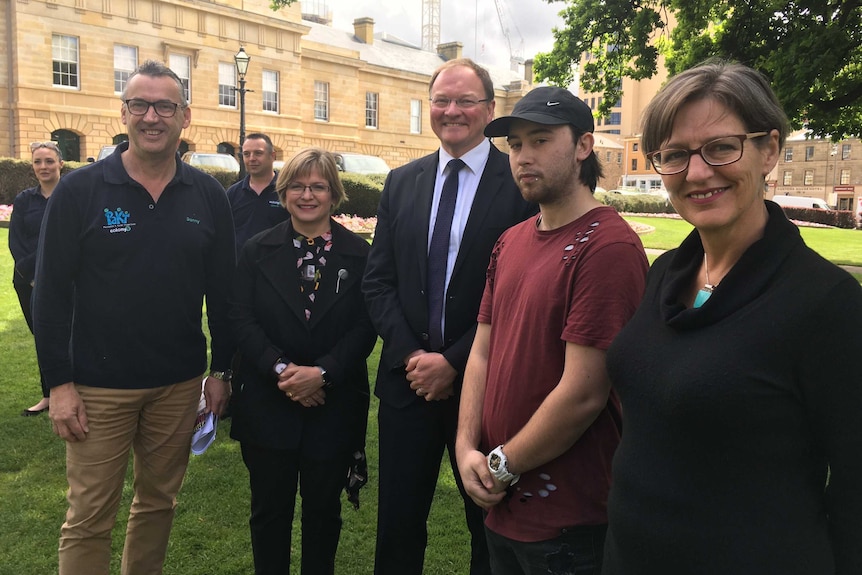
(268, 321)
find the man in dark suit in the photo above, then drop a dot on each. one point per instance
(423, 285)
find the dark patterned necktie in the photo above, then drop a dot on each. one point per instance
(438, 254)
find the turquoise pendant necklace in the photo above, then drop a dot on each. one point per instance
(707, 289)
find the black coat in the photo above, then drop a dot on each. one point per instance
(397, 268)
(268, 320)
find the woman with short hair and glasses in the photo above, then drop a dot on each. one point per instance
(27, 212)
(742, 438)
(303, 332)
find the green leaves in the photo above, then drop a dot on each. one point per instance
(810, 50)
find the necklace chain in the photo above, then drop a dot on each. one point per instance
(708, 284)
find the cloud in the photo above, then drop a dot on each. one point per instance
(475, 24)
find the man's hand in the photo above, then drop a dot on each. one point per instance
(68, 414)
(217, 394)
(303, 384)
(430, 375)
(478, 482)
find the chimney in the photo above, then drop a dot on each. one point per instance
(450, 50)
(528, 71)
(363, 28)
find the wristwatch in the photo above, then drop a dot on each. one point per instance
(327, 381)
(280, 365)
(222, 375)
(498, 464)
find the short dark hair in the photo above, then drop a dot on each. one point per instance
(591, 167)
(482, 73)
(261, 136)
(155, 69)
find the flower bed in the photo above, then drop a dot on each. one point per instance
(362, 226)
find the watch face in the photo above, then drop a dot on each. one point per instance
(494, 462)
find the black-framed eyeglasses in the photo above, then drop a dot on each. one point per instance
(298, 189)
(462, 103)
(139, 107)
(718, 152)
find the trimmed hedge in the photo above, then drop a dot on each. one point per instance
(636, 204)
(363, 195)
(837, 218)
(363, 192)
(17, 175)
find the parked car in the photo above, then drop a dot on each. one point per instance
(360, 163)
(800, 202)
(105, 151)
(221, 161)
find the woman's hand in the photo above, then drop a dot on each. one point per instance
(303, 384)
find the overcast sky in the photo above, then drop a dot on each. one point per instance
(474, 23)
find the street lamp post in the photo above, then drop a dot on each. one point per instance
(241, 59)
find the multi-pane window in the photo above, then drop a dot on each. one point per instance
(788, 178)
(845, 151)
(321, 101)
(788, 154)
(415, 116)
(635, 147)
(619, 157)
(64, 53)
(615, 119)
(809, 178)
(634, 164)
(125, 62)
(371, 109)
(845, 177)
(809, 153)
(226, 84)
(270, 91)
(182, 67)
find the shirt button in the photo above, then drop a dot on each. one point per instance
(152, 207)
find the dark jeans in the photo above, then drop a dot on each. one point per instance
(577, 551)
(273, 475)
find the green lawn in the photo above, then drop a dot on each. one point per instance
(210, 535)
(843, 247)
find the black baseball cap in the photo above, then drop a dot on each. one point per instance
(546, 105)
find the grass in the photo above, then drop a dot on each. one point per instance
(210, 534)
(843, 247)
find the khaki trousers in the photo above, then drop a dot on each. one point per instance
(156, 424)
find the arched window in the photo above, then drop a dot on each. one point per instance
(226, 148)
(69, 144)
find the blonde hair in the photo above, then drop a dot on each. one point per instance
(305, 162)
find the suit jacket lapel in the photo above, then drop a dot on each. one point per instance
(279, 268)
(490, 185)
(423, 198)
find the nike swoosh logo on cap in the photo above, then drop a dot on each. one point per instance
(552, 104)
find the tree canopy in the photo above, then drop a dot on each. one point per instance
(810, 50)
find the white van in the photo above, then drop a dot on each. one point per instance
(800, 202)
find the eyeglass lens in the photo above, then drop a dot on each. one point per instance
(140, 107)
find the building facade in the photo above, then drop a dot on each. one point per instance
(66, 63)
(820, 168)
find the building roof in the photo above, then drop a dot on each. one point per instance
(389, 51)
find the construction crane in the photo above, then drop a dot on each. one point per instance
(516, 57)
(430, 25)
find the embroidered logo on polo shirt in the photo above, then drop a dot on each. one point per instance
(117, 221)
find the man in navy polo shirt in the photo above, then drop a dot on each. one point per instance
(130, 247)
(253, 200)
